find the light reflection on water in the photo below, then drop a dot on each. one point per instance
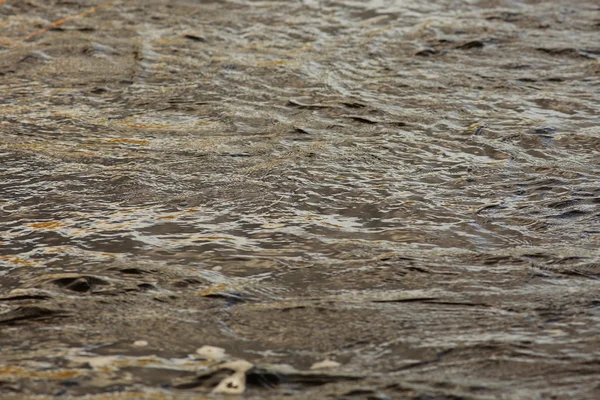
(408, 187)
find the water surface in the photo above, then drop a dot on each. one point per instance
(409, 188)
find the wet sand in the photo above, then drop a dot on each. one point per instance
(407, 188)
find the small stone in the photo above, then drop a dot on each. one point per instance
(211, 352)
(234, 384)
(140, 343)
(325, 364)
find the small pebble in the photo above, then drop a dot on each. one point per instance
(325, 364)
(140, 343)
(211, 352)
(234, 384)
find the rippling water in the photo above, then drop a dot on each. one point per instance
(409, 188)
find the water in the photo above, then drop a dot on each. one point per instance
(409, 188)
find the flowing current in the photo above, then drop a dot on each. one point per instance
(408, 188)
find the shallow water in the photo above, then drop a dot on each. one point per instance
(409, 188)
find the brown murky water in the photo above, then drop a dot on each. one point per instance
(410, 188)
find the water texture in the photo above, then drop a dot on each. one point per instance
(410, 188)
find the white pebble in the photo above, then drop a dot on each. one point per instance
(140, 343)
(234, 384)
(211, 352)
